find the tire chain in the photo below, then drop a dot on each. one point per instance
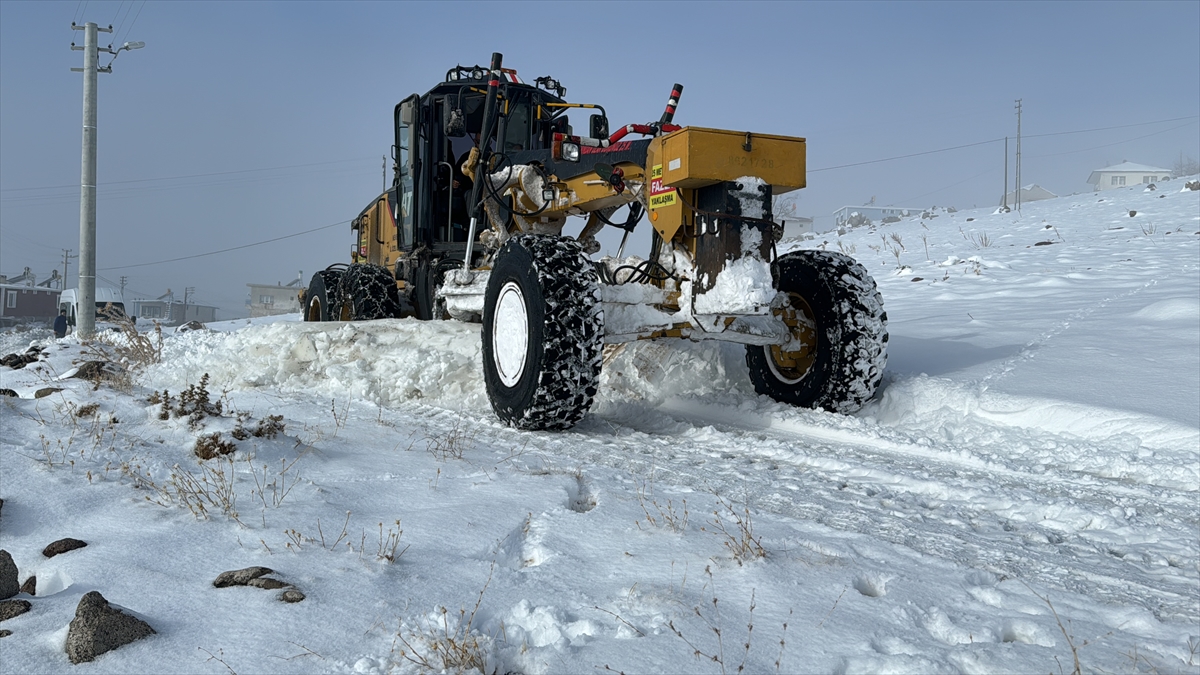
(574, 340)
(371, 292)
(863, 330)
(331, 280)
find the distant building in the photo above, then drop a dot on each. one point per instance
(864, 215)
(1029, 193)
(173, 313)
(21, 302)
(269, 300)
(1126, 173)
(796, 226)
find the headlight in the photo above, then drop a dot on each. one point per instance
(570, 151)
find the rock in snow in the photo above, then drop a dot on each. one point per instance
(99, 627)
(8, 576)
(62, 546)
(11, 608)
(240, 577)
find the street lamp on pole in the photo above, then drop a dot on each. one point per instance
(86, 319)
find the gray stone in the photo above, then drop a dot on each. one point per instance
(30, 585)
(90, 370)
(267, 583)
(99, 627)
(5, 632)
(46, 391)
(8, 392)
(8, 576)
(62, 546)
(291, 595)
(11, 608)
(240, 577)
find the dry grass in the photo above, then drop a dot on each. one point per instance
(736, 531)
(450, 644)
(211, 490)
(449, 444)
(1076, 669)
(712, 620)
(272, 492)
(211, 446)
(267, 427)
(979, 240)
(665, 515)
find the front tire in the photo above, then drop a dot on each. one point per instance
(543, 334)
(839, 348)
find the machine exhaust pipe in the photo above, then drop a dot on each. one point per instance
(485, 135)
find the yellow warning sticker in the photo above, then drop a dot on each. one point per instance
(660, 195)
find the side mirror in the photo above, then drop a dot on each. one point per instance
(562, 125)
(598, 127)
(452, 118)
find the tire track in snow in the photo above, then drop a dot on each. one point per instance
(934, 507)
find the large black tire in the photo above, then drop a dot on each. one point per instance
(543, 333)
(834, 303)
(321, 298)
(371, 293)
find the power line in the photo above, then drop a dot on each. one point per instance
(124, 18)
(1120, 126)
(135, 18)
(1107, 145)
(114, 19)
(195, 175)
(227, 250)
(996, 140)
(915, 154)
(127, 192)
(947, 187)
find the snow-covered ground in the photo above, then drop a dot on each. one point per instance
(1024, 490)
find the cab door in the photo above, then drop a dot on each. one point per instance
(403, 203)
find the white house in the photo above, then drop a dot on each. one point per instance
(1126, 173)
(269, 300)
(1030, 193)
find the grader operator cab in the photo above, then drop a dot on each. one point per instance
(487, 170)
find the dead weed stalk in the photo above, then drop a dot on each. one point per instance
(449, 643)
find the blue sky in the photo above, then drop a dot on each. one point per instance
(240, 87)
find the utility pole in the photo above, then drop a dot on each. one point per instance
(385, 173)
(86, 321)
(123, 280)
(1018, 169)
(1004, 203)
(66, 262)
(187, 292)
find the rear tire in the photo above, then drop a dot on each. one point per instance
(371, 292)
(836, 305)
(322, 289)
(543, 334)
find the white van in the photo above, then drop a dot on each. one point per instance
(109, 304)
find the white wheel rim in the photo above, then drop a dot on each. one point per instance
(510, 334)
(775, 369)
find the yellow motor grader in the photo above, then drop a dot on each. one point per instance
(487, 171)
